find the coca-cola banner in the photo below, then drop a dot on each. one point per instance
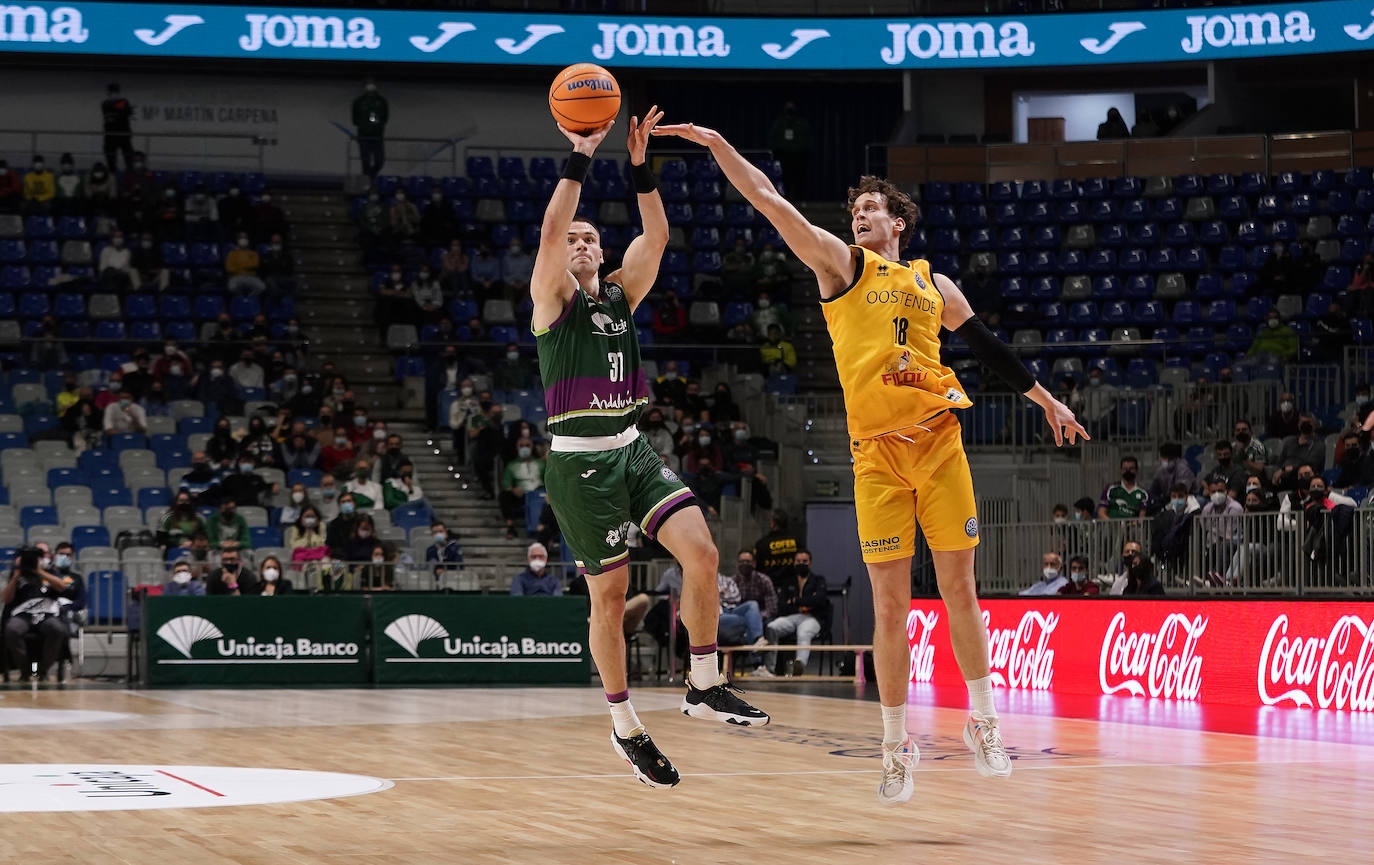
(1313, 654)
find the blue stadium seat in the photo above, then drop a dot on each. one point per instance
(1283, 229)
(1362, 330)
(1116, 312)
(208, 307)
(1103, 210)
(1208, 287)
(1238, 337)
(1336, 279)
(1288, 181)
(66, 476)
(1316, 305)
(1083, 314)
(1145, 234)
(1071, 211)
(1106, 287)
(410, 516)
(108, 496)
(1127, 187)
(971, 215)
(1011, 262)
(1337, 202)
(1012, 238)
(1132, 260)
(1038, 213)
(105, 593)
(151, 497)
(140, 307)
(1230, 258)
(1148, 312)
(1112, 235)
(13, 440)
(1001, 190)
(38, 515)
(69, 306)
(265, 536)
(1187, 312)
(1192, 259)
(784, 384)
(1140, 373)
(1102, 261)
(90, 536)
(1168, 210)
(1135, 210)
(1186, 185)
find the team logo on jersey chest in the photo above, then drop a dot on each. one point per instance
(606, 326)
(882, 270)
(613, 293)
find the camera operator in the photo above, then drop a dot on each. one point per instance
(32, 596)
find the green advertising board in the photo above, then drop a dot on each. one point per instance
(470, 640)
(256, 640)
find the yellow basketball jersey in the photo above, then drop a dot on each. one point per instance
(886, 331)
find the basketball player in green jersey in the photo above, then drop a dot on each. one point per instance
(602, 474)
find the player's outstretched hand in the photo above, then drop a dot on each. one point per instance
(691, 132)
(638, 142)
(1065, 425)
(586, 144)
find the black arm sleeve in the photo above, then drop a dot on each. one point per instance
(995, 354)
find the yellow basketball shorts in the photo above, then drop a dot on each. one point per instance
(918, 476)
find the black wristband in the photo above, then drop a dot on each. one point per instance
(576, 167)
(996, 355)
(643, 177)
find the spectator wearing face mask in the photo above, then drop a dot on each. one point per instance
(258, 443)
(1285, 419)
(125, 416)
(367, 493)
(513, 372)
(100, 190)
(670, 389)
(485, 270)
(182, 583)
(1079, 581)
(115, 266)
(301, 451)
(148, 264)
(777, 354)
(670, 319)
(339, 452)
(70, 196)
(268, 218)
(363, 433)
(455, 268)
(216, 388)
(1173, 469)
(535, 578)
(227, 530)
(403, 488)
(373, 220)
(517, 267)
(297, 500)
(277, 267)
(1171, 528)
(404, 217)
(306, 536)
(657, 432)
(444, 553)
(1249, 449)
(232, 577)
(428, 296)
(524, 474)
(245, 486)
(389, 457)
(340, 528)
(437, 223)
(201, 483)
(274, 581)
(360, 542)
(241, 266)
(40, 187)
(182, 521)
(446, 375)
(32, 596)
(11, 189)
(767, 313)
(1275, 339)
(1305, 448)
(1125, 499)
(202, 215)
(1221, 527)
(704, 451)
(1052, 577)
(1225, 464)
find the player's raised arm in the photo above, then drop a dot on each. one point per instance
(827, 255)
(997, 356)
(551, 284)
(639, 269)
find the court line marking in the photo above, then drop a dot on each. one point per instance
(960, 768)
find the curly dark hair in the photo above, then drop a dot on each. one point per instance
(899, 204)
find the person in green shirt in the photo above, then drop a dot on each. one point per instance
(370, 114)
(1126, 499)
(1275, 339)
(228, 530)
(181, 522)
(524, 474)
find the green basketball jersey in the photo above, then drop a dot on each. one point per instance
(589, 361)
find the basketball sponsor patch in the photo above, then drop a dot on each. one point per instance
(668, 475)
(971, 527)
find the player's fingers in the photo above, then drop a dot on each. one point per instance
(1058, 435)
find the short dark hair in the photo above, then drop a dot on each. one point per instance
(1060, 507)
(742, 552)
(1222, 443)
(899, 204)
(802, 550)
(1181, 489)
(587, 222)
(1083, 504)
(1079, 560)
(1171, 450)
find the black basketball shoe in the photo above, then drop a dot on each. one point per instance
(721, 702)
(648, 763)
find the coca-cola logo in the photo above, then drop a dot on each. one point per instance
(1020, 657)
(1331, 672)
(1161, 664)
(920, 624)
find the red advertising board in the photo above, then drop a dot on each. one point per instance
(1315, 654)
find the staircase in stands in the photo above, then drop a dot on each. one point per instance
(336, 312)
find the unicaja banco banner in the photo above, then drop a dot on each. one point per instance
(161, 30)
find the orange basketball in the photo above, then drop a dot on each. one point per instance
(584, 97)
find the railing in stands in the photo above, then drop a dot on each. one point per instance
(164, 150)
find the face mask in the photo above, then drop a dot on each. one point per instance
(1051, 573)
(376, 560)
(270, 574)
(1285, 406)
(704, 441)
(1059, 521)
(1305, 428)
(1219, 498)
(181, 578)
(1128, 561)
(670, 376)
(745, 569)
(307, 388)
(1361, 397)
(1166, 464)
(525, 453)
(379, 434)
(309, 522)
(1128, 477)
(63, 560)
(1243, 437)
(1318, 494)
(512, 355)
(440, 537)
(1094, 382)
(124, 402)
(537, 565)
(340, 441)
(298, 497)
(467, 391)
(245, 467)
(1272, 323)
(362, 474)
(1178, 504)
(243, 243)
(361, 421)
(118, 243)
(266, 198)
(346, 508)
(216, 372)
(170, 349)
(741, 435)
(1078, 576)
(230, 566)
(116, 385)
(364, 533)
(328, 492)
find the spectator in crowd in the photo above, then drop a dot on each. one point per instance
(1275, 339)
(403, 488)
(670, 319)
(485, 436)
(428, 295)
(1171, 528)
(232, 577)
(1140, 576)
(524, 474)
(1305, 448)
(741, 621)
(182, 583)
(11, 189)
(755, 585)
(1113, 127)
(775, 552)
(656, 431)
(437, 223)
(300, 451)
(1125, 499)
(201, 483)
(461, 412)
(227, 530)
(454, 267)
(84, 423)
(777, 355)
(248, 372)
(378, 570)
(360, 433)
(201, 215)
(709, 486)
(147, 264)
(1359, 298)
(513, 372)
(69, 188)
(803, 608)
(277, 268)
(235, 212)
(273, 581)
(390, 458)
(116, 114)
(395, 303)
(367, 493)
(1052, 577)
(100, 190)
(517, 266)
(40, 187)
(1079, 581)
(125, 416)
(329, 497)
(767, 313)
(1224, 464)
(670, 389)
(725, 410)
(168, 222)
(258, 443)
(1100, 398)
(703, 451)
(115, 266)
(241, 265)
(370, 114)
(534, 579)
(1251, 450)
(1276, 274)
(737, 266)
(404, 218)
(358, 544)
(521, 429)
(297, 501)
(339, 452)
(373, 220)
(444, 553)
(1222, 533)
(268, 218)
(1131, 560)
(306, 537)
(1331, 333)
(68, 396)
(486, 272)
(154, 402)
(1173, 469)
(199, 556)
(1355, 460)
(32, 597)
(1284, 421)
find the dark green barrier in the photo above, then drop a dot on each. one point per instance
(486, 639)
(277, 641)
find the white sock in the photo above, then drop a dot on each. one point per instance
(894, 725)
(705, 670)
(980, 697)
(626, 721)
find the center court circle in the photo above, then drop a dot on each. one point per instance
(139, 787)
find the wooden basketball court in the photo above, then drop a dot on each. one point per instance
(526, 775)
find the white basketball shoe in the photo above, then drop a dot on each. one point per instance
(898, 762)
(984, 739)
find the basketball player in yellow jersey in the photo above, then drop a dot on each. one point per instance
(884, 316)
